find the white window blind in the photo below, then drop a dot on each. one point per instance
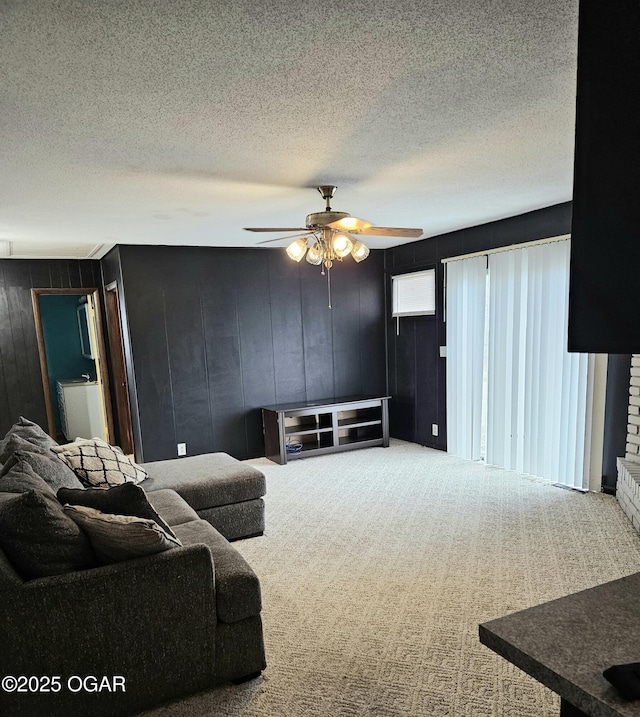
(466, 298)
(414, 294)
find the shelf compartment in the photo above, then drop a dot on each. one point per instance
(360, 416)
(299, 425)
(310, 440)
(355, 434)
(323, 437)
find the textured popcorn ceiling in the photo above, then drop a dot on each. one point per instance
(182, 122)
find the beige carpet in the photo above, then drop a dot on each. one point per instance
(377, 567)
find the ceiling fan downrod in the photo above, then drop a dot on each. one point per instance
(327, 191)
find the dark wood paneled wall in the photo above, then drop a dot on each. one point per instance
(416, 372)
(21, 390)
(217, 333)
(604, 306)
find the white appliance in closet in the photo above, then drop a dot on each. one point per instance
(80, 405)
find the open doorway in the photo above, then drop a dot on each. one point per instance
(73, 363)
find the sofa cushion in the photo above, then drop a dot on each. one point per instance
(48, 466)
(21, 477)
(29, 431)
(98, 464)
(207, 480)
(121, 537)
(39, 539)
(174, 509)
(236, 520)
(237, 586)
(125, 499)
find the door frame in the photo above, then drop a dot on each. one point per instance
(115, 337)
(94, 293)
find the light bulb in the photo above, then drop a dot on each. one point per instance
(342, 244)
(297, 249)
(352, 223)
(314, 255)
(360, 252)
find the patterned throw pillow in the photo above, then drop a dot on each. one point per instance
(120, 537)
(98, 464)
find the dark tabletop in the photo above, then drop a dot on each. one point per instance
(566, 644)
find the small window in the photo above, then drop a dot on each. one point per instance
(414, 294)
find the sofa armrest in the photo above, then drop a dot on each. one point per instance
(151, 620)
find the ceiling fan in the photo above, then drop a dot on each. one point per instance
(331, 235)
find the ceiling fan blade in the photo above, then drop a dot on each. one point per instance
(288, 238)
(350, 224)
(275, 229)
(391, 232)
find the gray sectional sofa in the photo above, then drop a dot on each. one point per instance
(168, 624)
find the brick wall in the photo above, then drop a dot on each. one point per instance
(628, 489)
(628, 485)
(632, 450)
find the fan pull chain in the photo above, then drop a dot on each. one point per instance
(329, 285)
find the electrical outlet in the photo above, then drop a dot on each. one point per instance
(434, 429)
(182, 449)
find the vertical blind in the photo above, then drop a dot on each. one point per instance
(538, 394)
(466, 289)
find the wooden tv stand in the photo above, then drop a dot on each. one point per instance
(326, 426)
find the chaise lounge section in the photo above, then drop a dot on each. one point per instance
(222, 490)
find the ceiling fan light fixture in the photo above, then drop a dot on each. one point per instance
(360, 251)
(331, 235)
(342, 244)
(315, 254)
(297, 249)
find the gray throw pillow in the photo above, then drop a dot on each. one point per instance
(20, 478)
(121, 537)
(29, 431)
(125, 499)
(48, 466)
(15, 442)
(40, 539)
